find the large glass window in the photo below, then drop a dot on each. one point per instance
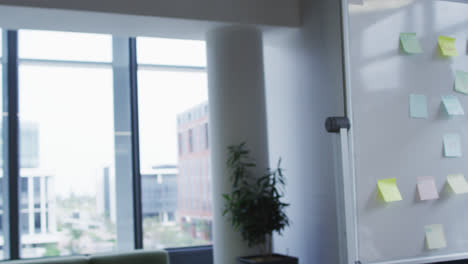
(3, 181)
(173, 52)
(66, 145)
(173, 113)
(75, 141)
(68, 46)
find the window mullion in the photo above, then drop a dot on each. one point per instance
(137, 206)
(11, 147)
(126, 142)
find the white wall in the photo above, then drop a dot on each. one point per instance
(303, 87)
(124, 25)
(265, 12)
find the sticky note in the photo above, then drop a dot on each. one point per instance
(427, 188)
(461, 82)
(388, 190)
(452, 105)
(410, 43)
(435, 236)
(447, 46)
(418, 106)
(452, 145)
(457, 183)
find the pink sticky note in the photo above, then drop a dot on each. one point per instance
(427, 188)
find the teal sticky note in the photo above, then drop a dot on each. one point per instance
(418, 106)
(452, 146)
(461, 82)
(452, 105)
(410, 43)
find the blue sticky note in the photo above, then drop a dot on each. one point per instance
(452, 105)
(452, 146)
(418, 106)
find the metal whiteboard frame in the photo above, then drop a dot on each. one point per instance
(346, 173)
(345, 181)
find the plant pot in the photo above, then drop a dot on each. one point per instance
(268, 259)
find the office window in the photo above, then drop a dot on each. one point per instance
(37, 222)
(24, 216)
(47, 221)
(68, 46)
(4, 169)
(180, 141)
(169, 104)
(67, 114)
(1, 43)
(24, 199)
(37, 192)
(173, 52)
(190, 140)
(207, 144)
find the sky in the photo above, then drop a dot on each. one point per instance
(74, 105)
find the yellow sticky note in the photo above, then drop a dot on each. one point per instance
(435, 237)
(447, 46)
(388, 190)
(457, 183)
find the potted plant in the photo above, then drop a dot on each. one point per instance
(254, 206)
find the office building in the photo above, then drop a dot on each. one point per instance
(105, 197)
(37, 211)
(37, 202)
(159, 193)
(194, 196)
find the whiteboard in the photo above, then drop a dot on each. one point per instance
(388, 144)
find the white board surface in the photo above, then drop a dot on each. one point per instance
(389, 144)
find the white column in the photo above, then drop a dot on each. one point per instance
(122, 142)
(237, 114)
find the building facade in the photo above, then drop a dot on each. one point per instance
(159, 193)
(194, 184)
(37, 201)
(37, 211)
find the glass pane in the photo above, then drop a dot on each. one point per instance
(174, 159)
(171, 51)
(54, 45)
(66, 151)
(3, 196)
(1, 42)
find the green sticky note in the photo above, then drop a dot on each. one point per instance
(447, 46)
(435, 237)
(410, 43)
(452, 105)
(452, 146)
(418, 106)
(457, 183)
(388, 190)
(461, 82)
